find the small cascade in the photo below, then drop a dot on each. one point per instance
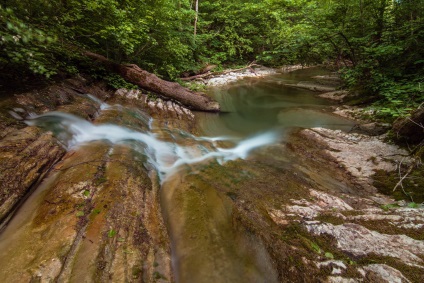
(166, 150)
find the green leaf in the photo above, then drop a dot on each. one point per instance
(412, 205)
(315, 247)
(329, 255)
(111, 233)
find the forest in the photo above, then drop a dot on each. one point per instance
(378, 45)
(211, 141)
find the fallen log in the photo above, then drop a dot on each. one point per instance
(148, 81)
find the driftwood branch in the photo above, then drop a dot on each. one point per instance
(402, 178)
(209, 74)
(148, 81)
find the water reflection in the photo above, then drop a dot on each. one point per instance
(263, 105)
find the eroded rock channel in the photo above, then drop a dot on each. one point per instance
(123, 187)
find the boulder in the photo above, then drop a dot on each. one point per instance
(410, 129)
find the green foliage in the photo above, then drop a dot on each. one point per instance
(398, 99)
(380, 43)
(192, 85)
(413, 205)
(111, 233)
(38, 35)
(387, 207)
(24, 46)
(315, 247)
(329, 255)
(118, 82)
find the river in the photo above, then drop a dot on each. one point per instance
(200, 202)
(208, 244)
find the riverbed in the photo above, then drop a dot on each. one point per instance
(145, 194)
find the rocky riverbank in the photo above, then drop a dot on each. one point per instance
(383, 234)
(330, 223)
(253, 72)
(90, 213)
(94, 213)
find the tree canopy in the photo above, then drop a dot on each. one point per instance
(379, 43)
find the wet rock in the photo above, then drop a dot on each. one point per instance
(280, 217)
(352, 112)
(26, 153)
(382, 273)
(157, 106)
(310, 210)
(25, 157)
(201, 221)
(129, 93)
(337, 266)
(313, 86)
(235, 76)
(331, 78)
(254, 202)
(358, 232)
(170, 109)
(359, 241)
(339, 279)
(57, 216)
(291, 68)
(47, 271)
(327, 201)
(67, 93)
(371, 129)
(360, 155)
(338, 96)
(404, 218)
(101, 217)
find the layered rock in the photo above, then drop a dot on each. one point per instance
(25, 157)
(100, 214)
(27, 153)
(97, 209)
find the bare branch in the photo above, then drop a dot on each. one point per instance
(209, 74)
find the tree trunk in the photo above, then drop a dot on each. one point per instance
(148, 81)
(196, 18)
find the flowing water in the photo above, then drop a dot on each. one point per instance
(207, 245)
(254, 106)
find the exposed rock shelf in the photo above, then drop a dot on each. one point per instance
(301, 210)
(97, 208)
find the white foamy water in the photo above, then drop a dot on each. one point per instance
(166, 157)
(103, 105)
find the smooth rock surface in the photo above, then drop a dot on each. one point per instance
(360, 241)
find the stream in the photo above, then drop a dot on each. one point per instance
(207, 244)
